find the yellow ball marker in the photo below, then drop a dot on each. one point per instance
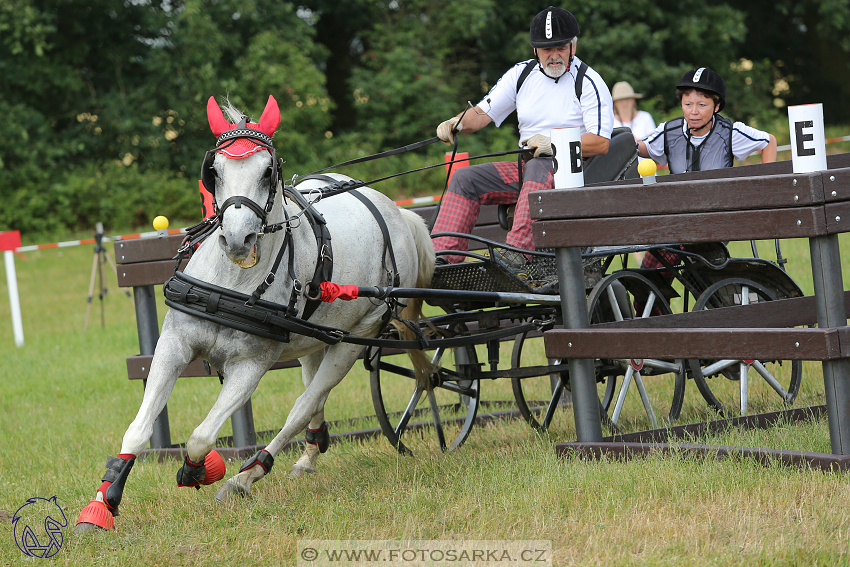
(647, 169)
(160, 223)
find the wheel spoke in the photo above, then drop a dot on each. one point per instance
(718, 367)
(557, 392)
(438, 423)
(768, 377)
(615, 305)
(645, 399)
(663, 365)
(408, 412)
(647, 309)
(621, 398)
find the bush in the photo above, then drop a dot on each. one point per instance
(120, 197)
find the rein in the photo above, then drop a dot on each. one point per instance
(343, 186)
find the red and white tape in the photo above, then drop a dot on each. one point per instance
(69, 243)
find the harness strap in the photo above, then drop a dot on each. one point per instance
(324, 250)
(219, 305)
(271, 320)
(392, 276)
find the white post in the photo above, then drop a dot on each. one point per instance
(808, 142)
(14, 301)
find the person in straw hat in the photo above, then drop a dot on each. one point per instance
(626, 112)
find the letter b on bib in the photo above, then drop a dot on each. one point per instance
(569, 170)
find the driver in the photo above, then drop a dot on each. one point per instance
(543, 91)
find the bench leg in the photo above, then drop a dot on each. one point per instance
(582, 374)
(147, 325)
(242, 422)
(829, 298)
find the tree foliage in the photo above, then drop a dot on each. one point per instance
(105, 99)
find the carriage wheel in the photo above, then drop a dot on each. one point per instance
(449, 408)
(537, 397)
(715, 378)
(628, 295)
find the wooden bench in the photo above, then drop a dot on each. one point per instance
(146, 263)
(753, 202)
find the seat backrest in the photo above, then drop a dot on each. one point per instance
(619, 163)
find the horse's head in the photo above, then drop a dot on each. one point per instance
(242, 172)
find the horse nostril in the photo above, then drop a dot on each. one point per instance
(222, 241)
(250, 240)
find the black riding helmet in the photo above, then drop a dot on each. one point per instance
(704, 79)
(553, 27)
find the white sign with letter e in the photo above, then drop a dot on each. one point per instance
(569, 170)
(808, 143)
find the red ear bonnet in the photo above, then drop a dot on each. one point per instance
(243, 147)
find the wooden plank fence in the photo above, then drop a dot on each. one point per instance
(752, 202)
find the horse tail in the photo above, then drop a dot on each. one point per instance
(413, 311)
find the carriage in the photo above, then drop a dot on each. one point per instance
(261, 292)
(510, 312)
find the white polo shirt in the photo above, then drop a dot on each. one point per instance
(543, 104)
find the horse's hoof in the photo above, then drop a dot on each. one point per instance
(94, 516)
(85, 527)
(228, 491)
(299, 471)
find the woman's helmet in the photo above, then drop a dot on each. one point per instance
(707, 80)
(553, 27)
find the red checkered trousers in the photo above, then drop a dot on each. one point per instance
(490, 184)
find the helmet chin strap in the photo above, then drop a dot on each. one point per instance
(692, 131)
(543, 69)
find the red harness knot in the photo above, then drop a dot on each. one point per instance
(331, 291)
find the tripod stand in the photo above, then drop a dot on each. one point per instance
(100, 254)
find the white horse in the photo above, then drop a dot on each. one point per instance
(239, 257)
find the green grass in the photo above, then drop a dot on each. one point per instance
(66, 402)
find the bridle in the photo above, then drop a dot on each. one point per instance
(208, 178)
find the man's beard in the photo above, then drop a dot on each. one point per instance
(556, 71)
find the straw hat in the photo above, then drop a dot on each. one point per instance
(624, 90)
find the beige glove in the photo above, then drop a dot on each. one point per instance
(444, 130)
(541, 144)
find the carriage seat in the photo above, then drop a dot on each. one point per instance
(619, 163)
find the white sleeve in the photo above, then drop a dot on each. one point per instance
(655, 145)
(747, 140)
(597, 108)
(501, 100)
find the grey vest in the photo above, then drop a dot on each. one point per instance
(715, 152)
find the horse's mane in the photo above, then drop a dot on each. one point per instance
(233, 113)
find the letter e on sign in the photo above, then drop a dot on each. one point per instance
(808, 144)
(802, 137)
